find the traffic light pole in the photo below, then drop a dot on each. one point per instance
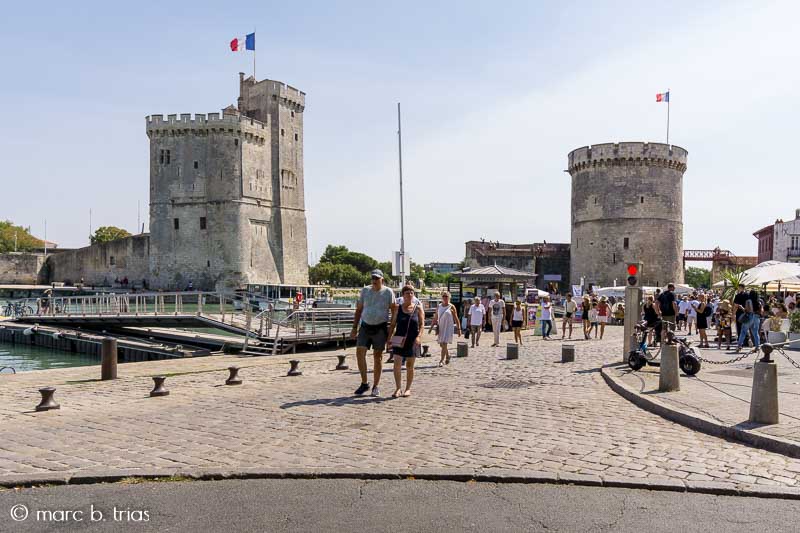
(633, 310)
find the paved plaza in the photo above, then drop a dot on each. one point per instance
(721, 392)
(479, 413)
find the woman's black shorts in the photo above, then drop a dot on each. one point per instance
(516, 323)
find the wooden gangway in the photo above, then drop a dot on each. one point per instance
(264, 331)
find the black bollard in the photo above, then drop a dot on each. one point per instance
(234, 378)
(108, 366)
(341, 365)
(425, 349)
(47, 402)
(294, 371)
(159, 389)
(512, 351)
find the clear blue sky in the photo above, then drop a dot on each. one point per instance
(494, 96)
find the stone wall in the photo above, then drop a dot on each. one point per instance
(21, 268)
(101, 264)
(627, 205)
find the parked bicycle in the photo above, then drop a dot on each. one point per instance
(16, 309)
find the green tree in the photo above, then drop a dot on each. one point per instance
(698, 277)
(25, 242)
(108, 234)
(337, 275)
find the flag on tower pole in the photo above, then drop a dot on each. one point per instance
(664, 97)
(248, 42)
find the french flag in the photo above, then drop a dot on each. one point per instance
(248, 43)
(662, 97)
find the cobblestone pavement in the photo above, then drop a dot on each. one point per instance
(722, 392)
(480, 412)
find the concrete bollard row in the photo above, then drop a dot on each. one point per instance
(462, 349)
(567, 353)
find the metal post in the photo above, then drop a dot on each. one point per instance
(108, 368)
(633, 305)
(402, 227)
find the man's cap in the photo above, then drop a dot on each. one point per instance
(376, 273)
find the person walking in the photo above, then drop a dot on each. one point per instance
(603, 312)
(724, 323)
(650, 317)
(593, 321)
(667, 309)
(750, 325)
(547, 318)
(374, 310)
(399, 301)
(498, 308)
(586, 309)
(692, 316)
(516, 321)
(404, 341)
(702, 312)
(445, 318)
(683, 313)
(477, 320)
(569, 311)
(739, 300)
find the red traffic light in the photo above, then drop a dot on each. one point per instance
(633, 270)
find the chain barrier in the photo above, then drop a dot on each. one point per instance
(792, 361)
(728, 362)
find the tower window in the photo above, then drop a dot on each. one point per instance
(202, 222)
(595, 200)
(641, 199)
(176, 223)
(236, 142)
(164, 157)
(614, 258)
(296, 137)
(292, 114)
(112, 261)
(283, 132)
(625, 243)
(196, 164)
(208, 263)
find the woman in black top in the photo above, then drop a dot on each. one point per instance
(650, 316)
(702, 320)
(404, 339)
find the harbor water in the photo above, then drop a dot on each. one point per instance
(24, 357)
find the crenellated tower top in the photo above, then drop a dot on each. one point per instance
(628, 154)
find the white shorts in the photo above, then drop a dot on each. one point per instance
(602, 319)
(692, 320)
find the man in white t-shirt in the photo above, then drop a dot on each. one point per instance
(694, 304)
(790, 299)
(477, 319)
(683, 313)
(498, 310)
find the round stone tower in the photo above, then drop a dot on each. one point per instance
(627, 205)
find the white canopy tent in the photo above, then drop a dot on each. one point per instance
(776, 275)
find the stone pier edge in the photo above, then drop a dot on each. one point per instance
(696, 421)
(486, 475)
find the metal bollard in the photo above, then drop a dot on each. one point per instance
(567, 353)
(108, 368)
(462, 349)
(47, 402)
(425, 349)
(764, 397)
(294, 370)
(159, 389)
(233, 378)
(669, 376)
(512, 351)
(341, 365)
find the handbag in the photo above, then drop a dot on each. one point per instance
(398, 341)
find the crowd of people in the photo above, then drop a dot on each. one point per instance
(742, 321)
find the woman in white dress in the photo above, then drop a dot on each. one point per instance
(445, 317)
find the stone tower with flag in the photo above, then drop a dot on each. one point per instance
(227, 204)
